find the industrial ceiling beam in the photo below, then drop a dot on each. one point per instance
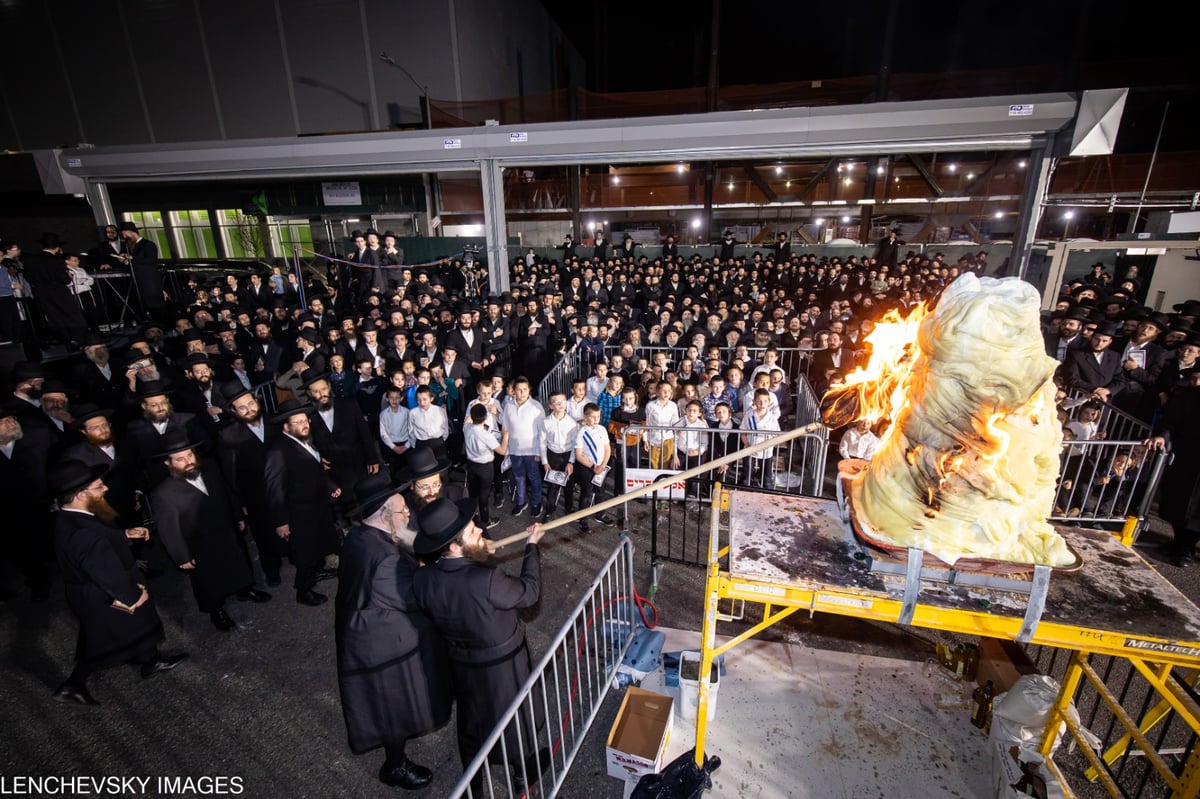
(923, 170)
(761, 184)
(817, 178)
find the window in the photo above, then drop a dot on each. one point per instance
(240, 234)
(150, 225)
(287, 234)
(193, 234)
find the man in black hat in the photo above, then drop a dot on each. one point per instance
(393, 672)
(1179, 502)
(1068, 337)
(141, 256)
(308, 347)
(100, 378)
(199, 527)
(1097, 369)
(1143, 358)
(158, 418)
(475, 606)
(467, 340)
(300, 492)
(496, 329)
(118, 622)
(200, 396)
(341, 435)
(242, 456)
(47, 273)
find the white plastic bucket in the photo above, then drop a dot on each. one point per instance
(689, 690)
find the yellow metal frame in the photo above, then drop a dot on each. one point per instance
(781, 600)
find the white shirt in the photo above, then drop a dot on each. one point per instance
(661, 414)
(198, 484)
(592, 445)
(394, 427)
(479, 443)
(110, 451)
(258, 430)
(106, 370)
(492, 420)
(327, 418)
(428, 423)
(558, 435)
(692, 438)
(858, 445)
(523, 425)
(311, 451)
(769, 423)
(595, 387)
(575, 409)
(161, 427)
(7, 449)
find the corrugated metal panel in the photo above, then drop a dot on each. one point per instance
(170, 62)
(329, 68)
(34, 81)
(98, 65)
(247, 61)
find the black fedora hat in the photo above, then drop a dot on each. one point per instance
(71, 475)
(439, 522)
(50, 240)
(175, 441)
(93, 339)
(372, 491)
(232, 389)
(423, 462)
(290, 408)
(27, 370)
(1188, 308)
(131, 227)
(87, 411)
(311, 376)
(1109, 329)
(152, 388)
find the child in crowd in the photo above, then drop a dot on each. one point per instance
(858, 441)
(758, 423)
(578, 399)
(597, 382)
(559, 431)
(430, 425)
(691, 444)
(394, 429)
(662, 412)
(592, 454)
(482, 447)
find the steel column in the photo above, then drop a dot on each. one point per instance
(102, 210)
(1042, 163)
(495, 228)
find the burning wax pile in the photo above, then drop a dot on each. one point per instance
(968, 466)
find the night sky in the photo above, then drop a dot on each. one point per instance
(634, 46)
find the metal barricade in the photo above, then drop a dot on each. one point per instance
(560, 699)
(569, 367)
(1114, 423)
(679, 519)
(1145, 714)
(1107, 483)
(265, 394)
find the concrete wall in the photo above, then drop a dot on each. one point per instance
(109, 72)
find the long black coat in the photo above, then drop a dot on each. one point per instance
(51, 282)
(475, 609)
(349, 448)
(145, 442)
(1179, 502)
(243, 461)
(1083, 372)
(97, 567)
(393, 671)
(202, 527)
(144, 265)
(23, 495)
(298, 495)
(91, 385)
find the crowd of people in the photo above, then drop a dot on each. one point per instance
(406, 409)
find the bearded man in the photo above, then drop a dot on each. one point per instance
(158, 418)
(199, 526)
(118, 622)
(100, 447)
(100, 379)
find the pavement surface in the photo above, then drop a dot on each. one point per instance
(261, 703)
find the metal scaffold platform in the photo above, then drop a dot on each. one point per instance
(790, 553)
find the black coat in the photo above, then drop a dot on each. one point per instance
(202, 527)
(1179, 502)
(97, 567)
(145, 443)
(393, 672)
(25, 500)
(144, 265)
(475, 609)
(1083, 372)
(350, 448)
(467, 353)
(91, 385)
(51, 281)
(298, 495)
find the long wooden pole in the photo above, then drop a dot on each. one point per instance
(666, 482)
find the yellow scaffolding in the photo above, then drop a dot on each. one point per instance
(793, 553)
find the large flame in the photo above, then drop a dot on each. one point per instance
(968, 463)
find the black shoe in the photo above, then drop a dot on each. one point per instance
(254, 595)
(498, 502)
(273, 580)
(222, 620)
(162, 663)
(583, 527)
(537, 511)
(604, 518)
(408, 775)
(77, 694)
(311, 598)
(518, 510)
(491, 524)
(327, 574)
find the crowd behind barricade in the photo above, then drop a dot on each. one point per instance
(382, 414)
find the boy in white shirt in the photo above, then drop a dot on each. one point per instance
(577, 400)
(592, 454)
(559, 431)
(430, 425)
(858, 441)
(691, 444)
(484, 396)
(662, 412)
(394, 429)
(758, 423)
(597, 382)
(482, 447)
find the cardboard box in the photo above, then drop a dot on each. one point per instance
(1003, 662)
(637, 742)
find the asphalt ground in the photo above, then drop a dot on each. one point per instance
(261, 703)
